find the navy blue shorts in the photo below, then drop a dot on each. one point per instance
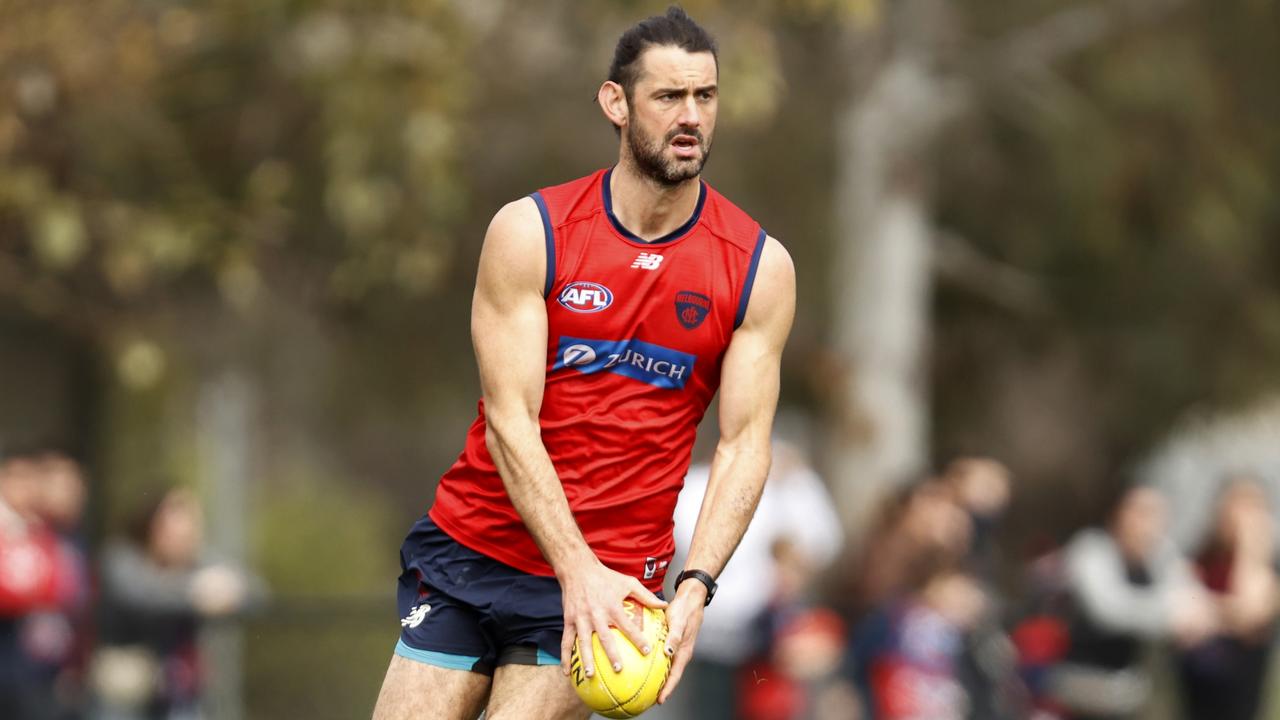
(463, 610)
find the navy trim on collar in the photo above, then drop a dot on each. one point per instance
(673, 235)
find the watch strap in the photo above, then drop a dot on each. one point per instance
(701, 576)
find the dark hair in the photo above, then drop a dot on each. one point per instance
(675, 28)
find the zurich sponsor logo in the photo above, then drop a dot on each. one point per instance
(585, 297)
(656, 365)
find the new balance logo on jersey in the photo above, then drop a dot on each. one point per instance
(416, 616)
(647, 261)
(656, 365)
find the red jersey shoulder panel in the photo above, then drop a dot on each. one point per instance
(729, 222)
(570, 201)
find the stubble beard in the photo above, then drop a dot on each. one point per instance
(651, 161)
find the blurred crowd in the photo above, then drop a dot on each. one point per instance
(111, 639)
(923, 617)
(927, 619)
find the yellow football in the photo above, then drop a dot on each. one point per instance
(635, 689)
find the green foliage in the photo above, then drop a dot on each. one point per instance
(316, 536)
(228, 144)
(317, 662)
(325, 548)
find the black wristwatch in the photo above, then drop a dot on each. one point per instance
(702, 577)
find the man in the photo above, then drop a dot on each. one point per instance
(1130, 585)
(607, 312)
(32, 576)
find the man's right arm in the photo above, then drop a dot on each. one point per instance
(509, 331)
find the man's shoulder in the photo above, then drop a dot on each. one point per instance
(729, 222)
(571, 198)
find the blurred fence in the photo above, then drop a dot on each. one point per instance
(317, 658)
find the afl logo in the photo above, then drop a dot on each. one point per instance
(585, 297)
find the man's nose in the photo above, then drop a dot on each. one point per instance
(690, 114)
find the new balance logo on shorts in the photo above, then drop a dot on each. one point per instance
(416, 616)
(647, 261)
(649, 363)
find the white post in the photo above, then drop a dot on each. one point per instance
(224, 423)
(882, 268)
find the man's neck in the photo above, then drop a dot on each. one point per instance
(648, 208)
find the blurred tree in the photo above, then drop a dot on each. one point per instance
(1116, 177)
(1073, 263)
(155, 151)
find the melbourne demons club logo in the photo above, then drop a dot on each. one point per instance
(585, 297)
(692, 308)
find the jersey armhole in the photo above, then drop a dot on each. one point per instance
(551, 242)
(751, 279)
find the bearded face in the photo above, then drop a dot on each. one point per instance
(670, 113)
(669, 159)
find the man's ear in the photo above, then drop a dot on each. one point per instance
(613, 102)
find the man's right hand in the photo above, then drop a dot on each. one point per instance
(593, 598)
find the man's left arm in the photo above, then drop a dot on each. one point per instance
(748, 397)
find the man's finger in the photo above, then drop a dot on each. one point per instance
(632, 628)
(586, 649)
(566, 648)
(675, 637)
(607, 641)
(677, 671)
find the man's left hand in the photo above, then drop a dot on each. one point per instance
(684, 617)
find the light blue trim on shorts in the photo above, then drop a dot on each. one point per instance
(546, 658)
(439, 659)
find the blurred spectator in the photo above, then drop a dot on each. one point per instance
(796, 513)
(1129, 585)
(908, 652)
(157, 588)
(33, 578)
(982, 488)
(987, 666)
(55, 638)
(920, 523)
(929, 617)
(1041, 633)
(797, 679)
(1222, 677)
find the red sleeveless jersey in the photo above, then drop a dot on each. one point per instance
(636, 332)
